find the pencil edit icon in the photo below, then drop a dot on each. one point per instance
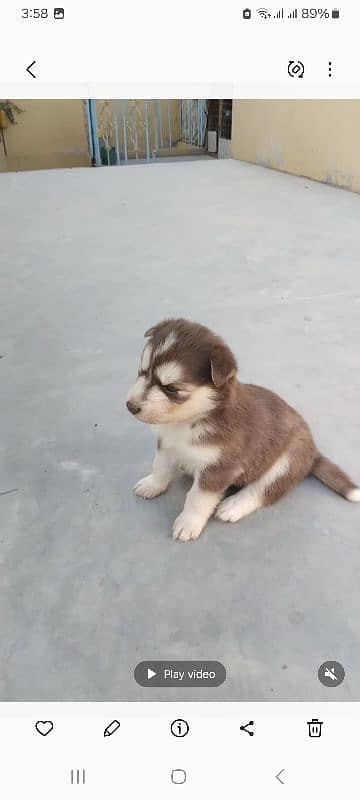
(112, 728)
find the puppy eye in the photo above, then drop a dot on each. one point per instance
(170, 388)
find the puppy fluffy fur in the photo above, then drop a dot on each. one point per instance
(230, 436)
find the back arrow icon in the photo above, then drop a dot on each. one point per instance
(28, 69)
(278, 776)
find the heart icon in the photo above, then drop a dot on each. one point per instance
(44, 727)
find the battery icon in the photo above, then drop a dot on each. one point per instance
(247, 13)
(335, 13)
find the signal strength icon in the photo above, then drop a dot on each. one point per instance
(293, 14)
(280, 14)
(264, 13)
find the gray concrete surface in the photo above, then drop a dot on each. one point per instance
(91, 581)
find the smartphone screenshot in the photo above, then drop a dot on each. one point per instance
(180, 383)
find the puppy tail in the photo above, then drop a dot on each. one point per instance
(333, 477)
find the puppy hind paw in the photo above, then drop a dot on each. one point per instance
(187, 528)
(149, 487)
(229, 510)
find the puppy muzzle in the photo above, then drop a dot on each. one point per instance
(134, 408)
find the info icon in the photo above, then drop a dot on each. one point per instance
(331, 674)
(179, 728)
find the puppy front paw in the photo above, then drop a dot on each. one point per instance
(149, 487)
(187, 527)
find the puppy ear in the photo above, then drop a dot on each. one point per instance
(149, 332)
(223, 365)
(158, 327)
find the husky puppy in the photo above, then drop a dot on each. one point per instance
(230, 436)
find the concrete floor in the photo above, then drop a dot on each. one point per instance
(91, 581)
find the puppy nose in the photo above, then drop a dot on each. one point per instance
(133, 408)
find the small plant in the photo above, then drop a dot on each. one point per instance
(10, 109)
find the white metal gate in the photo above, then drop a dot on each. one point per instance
(193, 121)
(123, 131)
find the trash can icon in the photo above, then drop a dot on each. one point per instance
(315, 728)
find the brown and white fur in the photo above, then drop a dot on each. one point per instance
(228, 435)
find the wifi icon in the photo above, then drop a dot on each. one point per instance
(264, 13)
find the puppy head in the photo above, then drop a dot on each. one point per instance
(185, 371)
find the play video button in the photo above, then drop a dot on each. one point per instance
(180, 673)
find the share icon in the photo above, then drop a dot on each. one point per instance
(245, 728)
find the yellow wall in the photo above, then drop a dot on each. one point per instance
(319, 139)
(49, 133)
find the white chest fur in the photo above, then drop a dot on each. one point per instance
(191, 455)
